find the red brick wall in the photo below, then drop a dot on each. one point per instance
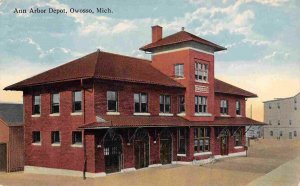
(64, 156)
(231, 102)
(16, 149)
(125, 95)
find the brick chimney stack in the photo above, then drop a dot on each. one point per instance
(156, 33)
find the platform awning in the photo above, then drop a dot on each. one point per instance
(165, 121)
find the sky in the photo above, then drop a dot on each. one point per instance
(261, 37)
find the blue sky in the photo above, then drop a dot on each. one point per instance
(262, 37)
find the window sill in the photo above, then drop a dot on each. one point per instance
(202, 114)
(36, 115)
(239, 116)
(37, 144)
(181, 114)
(141, 114)
(76, 113)
(113, 113)
(225, 115)
(202, 153)
(179, 78)
(55, 144)
(238, 147)
(166, 114)
(181, 155)
(77, 145)
(199, 81)
(55, 114)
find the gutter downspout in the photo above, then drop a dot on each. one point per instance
(84, 141)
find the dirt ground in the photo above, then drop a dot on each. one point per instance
(263, 157)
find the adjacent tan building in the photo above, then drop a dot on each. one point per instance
(283, 117)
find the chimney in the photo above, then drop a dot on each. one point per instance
(156, 33)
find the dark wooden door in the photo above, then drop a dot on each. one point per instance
(224, 145)
(3, 157)
(165, 151)
(141, 154)
(113, 155)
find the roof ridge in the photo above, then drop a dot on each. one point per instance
(122, 55)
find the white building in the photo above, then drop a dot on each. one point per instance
(283, 117)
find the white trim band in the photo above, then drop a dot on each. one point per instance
(181, 49)
(141, 114)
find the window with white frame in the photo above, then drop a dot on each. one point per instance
(77, 101)
(181, 104)
(55, 103)
(55, 137)
(201, 139)
(112, 101)
(36, 108)
(201, 72)
(140, 102)
(165, 103)
(281, 133)
(270, 106)
(182, 140)
(271, 133)
(238, 107)
(179, 70)
(200, 104)
(77, 138)
(224, 107)
(36, 137)
(278, 105)
(295, 133)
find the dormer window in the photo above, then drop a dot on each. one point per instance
(179, 71)
(201, 72)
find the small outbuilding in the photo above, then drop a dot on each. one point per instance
(11, 137)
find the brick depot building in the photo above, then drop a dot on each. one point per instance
(105, 112)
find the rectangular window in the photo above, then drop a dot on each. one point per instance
(201, 139)
(165, 103)
(270, 123)
(278, 122)
(290, 122)
(224, 107)
(179, 71)
(201, 72)
(112, 101)
(55, 137)
(270, 107)
(181, 141)
(281, 133)
(278, 105)
(140, 102)
(271, 133)
(36, 137)
(295, 133)
(55, 103)
(77, 138)
(238, 107)
(200, 104)
(77, 101)
(181, 104)
(36, 108)
(238, 138)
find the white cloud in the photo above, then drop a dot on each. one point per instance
(256, 42)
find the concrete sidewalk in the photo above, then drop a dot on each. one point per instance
(287, 174)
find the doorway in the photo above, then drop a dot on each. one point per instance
(3, 157)
(113, 153)
(224, 145)
(141, 149)
(165, 147)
